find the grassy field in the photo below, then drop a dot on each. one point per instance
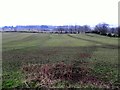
(20, 49)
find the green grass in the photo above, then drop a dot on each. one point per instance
(34, 48)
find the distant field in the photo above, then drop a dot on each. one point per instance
(35, 48)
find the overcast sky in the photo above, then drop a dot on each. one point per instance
(58, 12)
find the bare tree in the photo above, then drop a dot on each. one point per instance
(102, 28)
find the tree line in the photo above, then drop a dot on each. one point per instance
(101, 28)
